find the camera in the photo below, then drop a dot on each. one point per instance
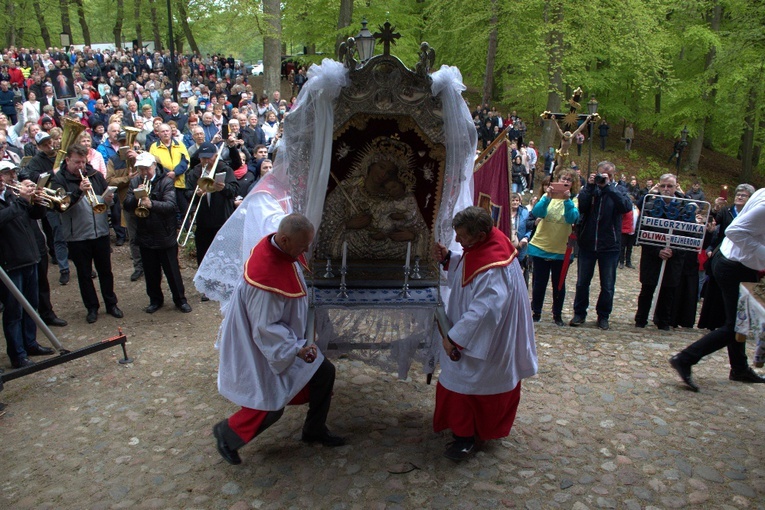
(601, 179)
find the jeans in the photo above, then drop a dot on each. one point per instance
(60, 247)
(541, 269)
(517, 188)
(115, 213)
(19, 328)
(607, 262)
(729, 276)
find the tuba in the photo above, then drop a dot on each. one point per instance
(72, 130)
(131, 134)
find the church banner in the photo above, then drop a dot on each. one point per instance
(491, 183)
(676, 223)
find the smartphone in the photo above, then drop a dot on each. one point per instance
(559, 189)
(224, 131)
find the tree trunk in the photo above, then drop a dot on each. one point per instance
(708, 95)
(555, 58)
(343, 20)
(155, 25)
(271, 46)
(10, 35)
(491, 55)
(186, 28)
(41, 20)
(137, 17)
(83, 22)
(118, 23)
(66, 25)
(747, 139)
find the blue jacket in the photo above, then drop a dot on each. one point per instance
(600, 217)
(524, 230)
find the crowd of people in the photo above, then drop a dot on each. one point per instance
(135, 153)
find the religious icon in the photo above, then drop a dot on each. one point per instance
(63, 83)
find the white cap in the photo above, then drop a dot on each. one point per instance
(6, 166)
(145, 159)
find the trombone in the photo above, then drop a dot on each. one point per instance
(144, 190)
(206, 183)
(96, 201)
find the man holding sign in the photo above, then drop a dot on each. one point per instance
(651, 260)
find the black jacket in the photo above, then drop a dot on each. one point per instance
(159, 229)
(600, 221)
(221, 206)
(39, 164)
(18, 243)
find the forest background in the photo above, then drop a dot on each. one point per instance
(661, 65)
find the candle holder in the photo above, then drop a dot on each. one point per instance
(405, 289)
(416, 275)
(328, 270)
(343, 288)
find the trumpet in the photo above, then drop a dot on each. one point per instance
(54, 199)
(96, 201)
(206, 183)
(142, 191)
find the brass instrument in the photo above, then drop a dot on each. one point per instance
(96, 201)
(206, 183)
(72, 130)
(54, 199)
(131, 134)
(142, 191)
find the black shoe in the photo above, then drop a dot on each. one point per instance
(138, 273)
(629, 266)
(205, 298)
(64, 278)
(55, 321)
(640, 324)
(229, 454)
(327, 439)
(603, 323)
(92, 315)
(153, 307)
(460, 449)
(120, 242)
(684, 371)
(664, 327)
(536, 317)
(621, 265)
(558, 321)
(747, 376)
(185, 308)
(40, 351)
(23, 362)
(93, 274)
(115, 312)
(578, 320)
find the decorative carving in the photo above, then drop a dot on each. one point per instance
(427, 60)
(346, 53)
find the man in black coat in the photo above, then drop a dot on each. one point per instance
(156, 210)
(19, 256)
(651, 258)
(215, 207)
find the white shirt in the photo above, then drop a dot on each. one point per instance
(259, 340)
(745, 237)
(492, 321)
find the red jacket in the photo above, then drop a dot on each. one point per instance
(627, 224)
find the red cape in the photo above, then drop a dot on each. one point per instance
(495, 251)
(270, 269)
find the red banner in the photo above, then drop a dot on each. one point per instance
(491, 184)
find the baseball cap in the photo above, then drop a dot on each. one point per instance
(7, 166)
(145, 159)
(122, 136)
(41, 137)
(207, 150)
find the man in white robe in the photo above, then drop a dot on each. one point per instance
(490, 346)
(265, 360)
